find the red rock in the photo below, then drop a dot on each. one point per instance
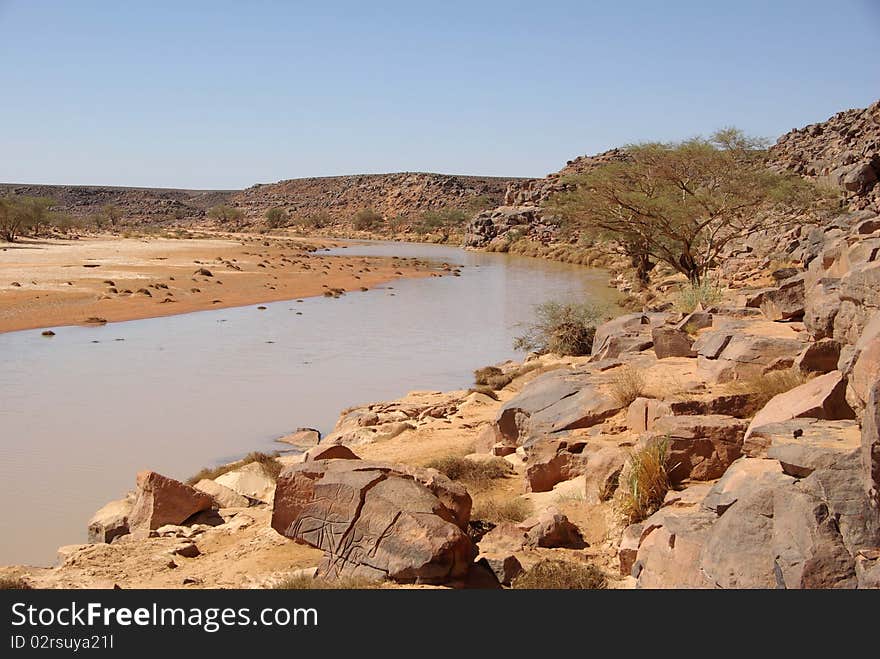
(161, 500)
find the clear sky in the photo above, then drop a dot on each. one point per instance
(219, 94)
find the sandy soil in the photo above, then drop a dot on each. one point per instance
(48, 283)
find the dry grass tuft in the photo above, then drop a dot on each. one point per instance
(497, 510)
(643, 482)
(553, 574)
(477, 474)
(305, 582)
(627, 385)
(269, 463)
(763, 388)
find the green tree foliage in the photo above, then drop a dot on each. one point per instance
(683, 203)
(225, 214)
(276, 217)
(23, 214)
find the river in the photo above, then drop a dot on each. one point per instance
(82, 412)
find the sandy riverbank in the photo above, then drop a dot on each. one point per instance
(47, 283)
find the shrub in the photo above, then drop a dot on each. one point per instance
(561, 328)
(223, 213)
(644, 482)
(366, 219)
(492, 377)
(305, 582)
(554, 574)
(627, 385)
(276, 217)
(706, 293)
(14, 583)
(269, 463)
(498, 511)
(476, 473)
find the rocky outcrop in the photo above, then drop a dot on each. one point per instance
(377, 520)
(844, 151)
(161, 500)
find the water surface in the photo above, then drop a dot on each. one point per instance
(82, 412)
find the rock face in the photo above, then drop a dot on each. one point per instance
(701, 447)
(672, 342)
(552, 403)
(111, 521)
(823, 397)
(161, 500)
(377, 520)
(785, 302)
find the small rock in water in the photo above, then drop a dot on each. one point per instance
(48, 333)
(261, 308)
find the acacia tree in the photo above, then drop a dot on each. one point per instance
(683, 203)
(22, 213)
(276, 217)
(112, 213)
(223, 213)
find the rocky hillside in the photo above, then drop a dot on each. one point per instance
(339, 198)
(314, 202)
(843, 151)
(136, 205)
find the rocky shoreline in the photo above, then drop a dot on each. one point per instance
(766, 405)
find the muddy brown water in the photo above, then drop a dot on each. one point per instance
(83, 411)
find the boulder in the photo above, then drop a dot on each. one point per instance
(670, 547)
(302, 438)
(694, 321)
(785, 302)
(859, 292)
(161, 500)
(249, 480)
(823, 397)
(330, 452)
(744, 477)
(672, 342)
(551, 528)
(819, 357)
(505, 566)
(553, 460)
(865, 360)
(820, 309)
(743, 356)
(552, 403)
(642, 413)
(110, 521)
(700, 447)
(222, 495)
(377, 520)
(711, 344)
(604, 463)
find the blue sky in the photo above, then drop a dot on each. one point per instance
(226, 94)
